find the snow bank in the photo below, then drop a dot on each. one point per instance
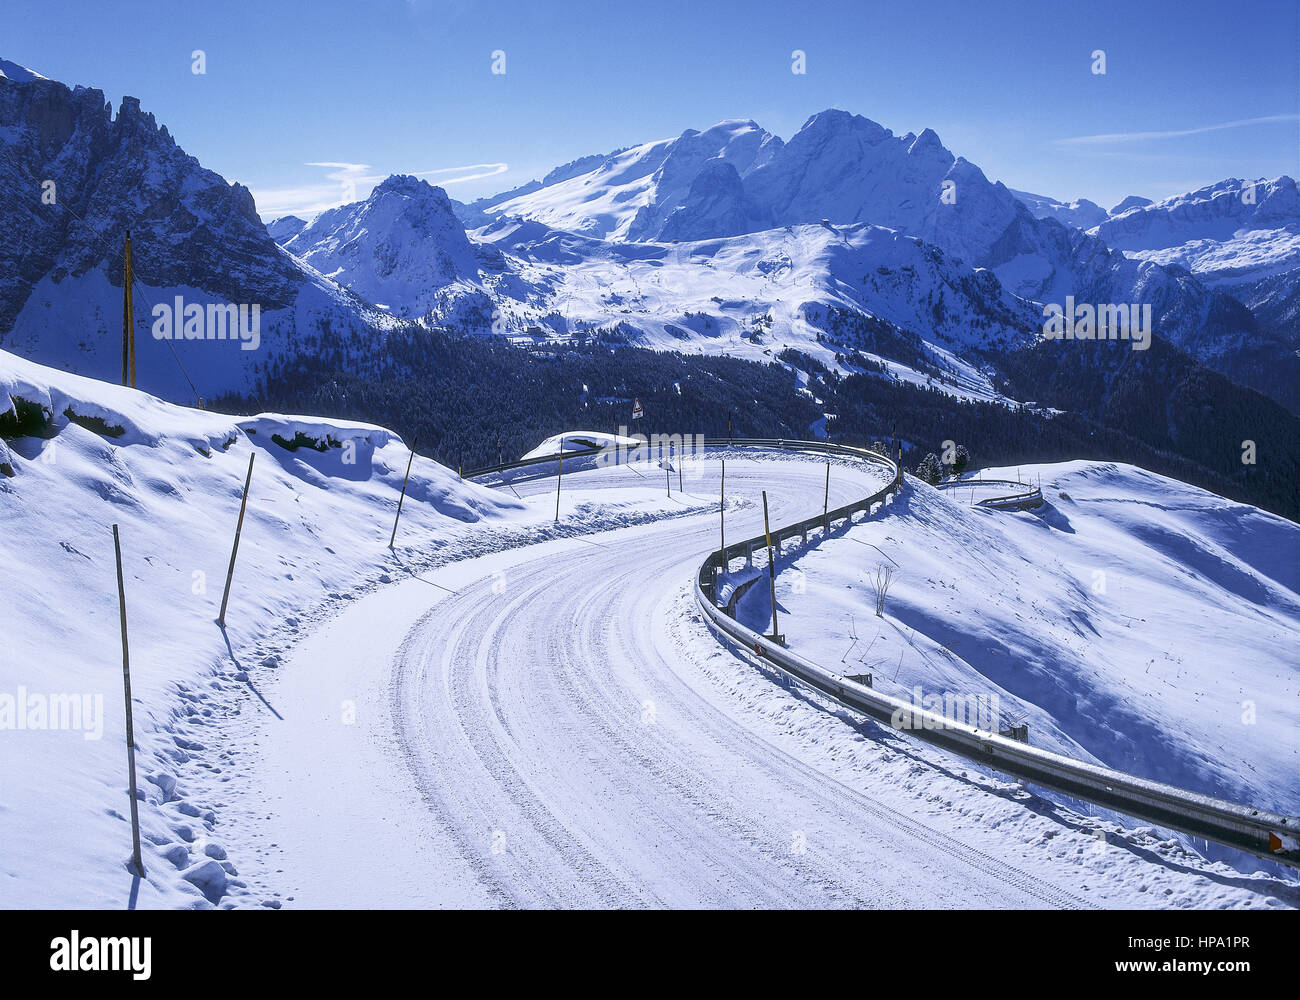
(581, 441)
(78, 456)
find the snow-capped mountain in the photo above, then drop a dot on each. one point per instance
(1242, 236)
(285, 228)
(629, 195)
(827, 291)
(1081, 213)
(843, 169)
(1128, 204)
(846, 239)
(397, 248)
(74, 178)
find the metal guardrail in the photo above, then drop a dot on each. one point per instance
(1031, 497)
(1258, 832)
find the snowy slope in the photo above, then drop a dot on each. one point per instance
(1133, 620)
(315, 537)
(816, 288)
(842, 169)
(631, 194)
(1230, 232)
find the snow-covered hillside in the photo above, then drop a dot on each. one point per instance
(305, 756)
(1080, 213)
(632, 194)
(1133, 620)
(825, 290)
(78, 456)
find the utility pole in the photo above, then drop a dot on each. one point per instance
(128, 318)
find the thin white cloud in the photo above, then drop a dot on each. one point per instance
(351, 182)
(481, 170)
(1110, 137)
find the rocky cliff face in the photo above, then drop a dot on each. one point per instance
(74, 178)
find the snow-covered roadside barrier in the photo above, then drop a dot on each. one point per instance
(81, 455)
(1256, 831)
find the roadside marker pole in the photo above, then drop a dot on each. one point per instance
(771, 573)
(722, 512)
(826, 500)
(130, 729)
(234, 550)
(402, 498)
(668, 483)
(680, 460)
(558, 477)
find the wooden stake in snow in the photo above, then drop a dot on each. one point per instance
(826, 500)
(722, 513)
(771, 573)
(130, 729)
(234, 550)
(559, 475)
(402, 499)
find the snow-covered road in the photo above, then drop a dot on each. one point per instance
(532, 728)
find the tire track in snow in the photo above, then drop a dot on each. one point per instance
(525, 716)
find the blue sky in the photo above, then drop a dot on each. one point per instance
(405, 86)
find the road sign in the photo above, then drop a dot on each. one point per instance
(637, 412)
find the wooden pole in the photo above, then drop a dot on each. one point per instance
(130, 729)
(402, 499)
(234, 550)
(826, 500)
(559, 475)
(771, 569)
(128, 318)
(722, 513)
(681, 458)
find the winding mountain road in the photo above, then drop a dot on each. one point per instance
(533, 731)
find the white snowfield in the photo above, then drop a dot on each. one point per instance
(509, 712)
